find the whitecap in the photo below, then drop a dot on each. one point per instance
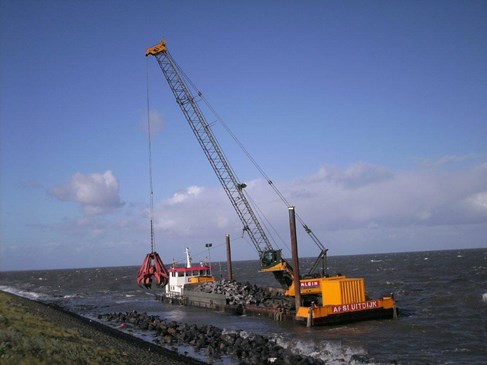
(244, 334)
(69, 296)
(331, 352)
(23, 293)
(484, 297)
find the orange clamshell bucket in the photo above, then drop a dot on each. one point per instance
(152, 267)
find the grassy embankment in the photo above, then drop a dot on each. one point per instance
(27, 337)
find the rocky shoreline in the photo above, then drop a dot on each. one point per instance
(46, 333)
(213, 341)
(40, 333)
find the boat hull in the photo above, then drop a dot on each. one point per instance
(384, 308)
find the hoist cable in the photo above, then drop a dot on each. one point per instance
(152, 238)
(266, 223)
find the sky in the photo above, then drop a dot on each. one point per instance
(369, 117)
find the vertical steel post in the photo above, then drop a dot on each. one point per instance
(294, 253)
(229, 259)
(208, 246)
(309, 320)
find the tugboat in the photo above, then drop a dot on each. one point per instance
(180, 276)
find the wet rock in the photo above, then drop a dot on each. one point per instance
(363, 359)
(228, 338)
(247, 349)
(243, 294)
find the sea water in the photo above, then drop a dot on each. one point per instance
(441, 296)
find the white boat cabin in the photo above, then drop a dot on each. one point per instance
(189, 274)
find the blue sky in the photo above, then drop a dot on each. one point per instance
(370, 117)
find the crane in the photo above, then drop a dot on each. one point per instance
(325, 299)
(270, 258)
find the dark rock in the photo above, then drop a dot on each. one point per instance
(363, 359)
(222, 347)
(253, 349)
(228, 338)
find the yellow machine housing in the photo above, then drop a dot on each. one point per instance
(158, 48)
(335, 299)
(335, 290)
(201, 279)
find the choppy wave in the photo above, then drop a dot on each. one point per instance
(330, 352)
(25, 294)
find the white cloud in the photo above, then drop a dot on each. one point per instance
(359, 209)
(337, 203)
(95, 193)
(183, 195)
(449, 159)
(192, 211)
(357, 175)
(402, 198)
(479, 201)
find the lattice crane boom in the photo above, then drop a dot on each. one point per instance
(208, 142)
